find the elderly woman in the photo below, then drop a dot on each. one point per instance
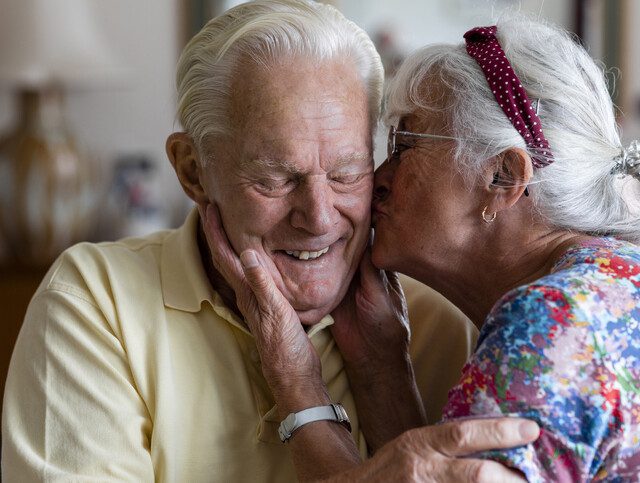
(507, 189)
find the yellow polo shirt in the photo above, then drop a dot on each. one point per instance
(130, 368)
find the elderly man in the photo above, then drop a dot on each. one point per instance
(134, 363)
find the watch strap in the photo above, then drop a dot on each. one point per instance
(294, 421)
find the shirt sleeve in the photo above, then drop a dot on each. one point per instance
(538, 358)
(71, 410)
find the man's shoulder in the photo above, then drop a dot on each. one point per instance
(131, 247)
(442, 339)
(89, 263)
(431, 312)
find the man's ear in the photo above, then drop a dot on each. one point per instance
(185, 160)
(507, 181)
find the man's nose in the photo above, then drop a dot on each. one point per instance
(382, 181)
(315, 208)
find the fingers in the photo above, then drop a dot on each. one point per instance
(372, 293)
(222, 255)
(264, 289)
(459, 438)
(394, 282)
(374, 279)
(285, 349)
(481, 471)
(397, 292)
(370, 277)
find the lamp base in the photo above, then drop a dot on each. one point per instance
(46, 196)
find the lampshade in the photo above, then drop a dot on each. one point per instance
(46, 42)
(46, 47)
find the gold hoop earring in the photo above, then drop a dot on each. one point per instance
(491, 217)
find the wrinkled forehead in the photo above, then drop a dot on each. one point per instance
(283, 164)
(299, 106)
(292, 85)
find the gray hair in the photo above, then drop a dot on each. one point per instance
(576, 192)
(264, 32)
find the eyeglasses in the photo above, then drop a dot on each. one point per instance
(392, 148)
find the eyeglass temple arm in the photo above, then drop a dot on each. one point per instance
(427, 136)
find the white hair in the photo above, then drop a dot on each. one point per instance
(577, 191)
(264, 32)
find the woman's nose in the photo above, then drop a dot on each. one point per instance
(380, 192)
(382, 181)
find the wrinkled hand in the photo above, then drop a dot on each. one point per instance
(288, 358)
(371, 323)
(371, 330)
(434, 453)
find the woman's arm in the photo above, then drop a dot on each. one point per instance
(538, 357)
(372, 332)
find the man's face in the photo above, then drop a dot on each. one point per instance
(294, 181)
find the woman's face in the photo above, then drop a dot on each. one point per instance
(423, 213)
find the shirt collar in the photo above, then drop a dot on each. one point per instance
(184, 281)
(185, 285)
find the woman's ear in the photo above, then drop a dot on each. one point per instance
(508, 178)
(185, 160)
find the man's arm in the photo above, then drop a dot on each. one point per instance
(71, 410)
(372, 332)
(534, 361)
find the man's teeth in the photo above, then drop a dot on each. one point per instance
(305, 255)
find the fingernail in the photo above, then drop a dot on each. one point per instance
(249, 259)
(529, 430)
(208, 211)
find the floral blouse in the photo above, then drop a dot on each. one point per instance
(565, 352)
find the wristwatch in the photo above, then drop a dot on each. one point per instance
(294, 421)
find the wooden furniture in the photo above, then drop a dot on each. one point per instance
(17, 285)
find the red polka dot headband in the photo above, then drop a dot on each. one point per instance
(484, 47)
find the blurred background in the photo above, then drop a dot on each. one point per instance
(87, 100)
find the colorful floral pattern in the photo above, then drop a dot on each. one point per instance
(565, 351)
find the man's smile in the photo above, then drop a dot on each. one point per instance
(309, 262)
(307, 254)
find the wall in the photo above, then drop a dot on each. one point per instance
(136, 114)
(146, 36)
(418, 22)
(631, 119)
(414, 23)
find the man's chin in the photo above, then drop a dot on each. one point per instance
(318, 301)
(314, 300)
(313, 316)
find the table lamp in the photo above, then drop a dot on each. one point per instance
(47, 48)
